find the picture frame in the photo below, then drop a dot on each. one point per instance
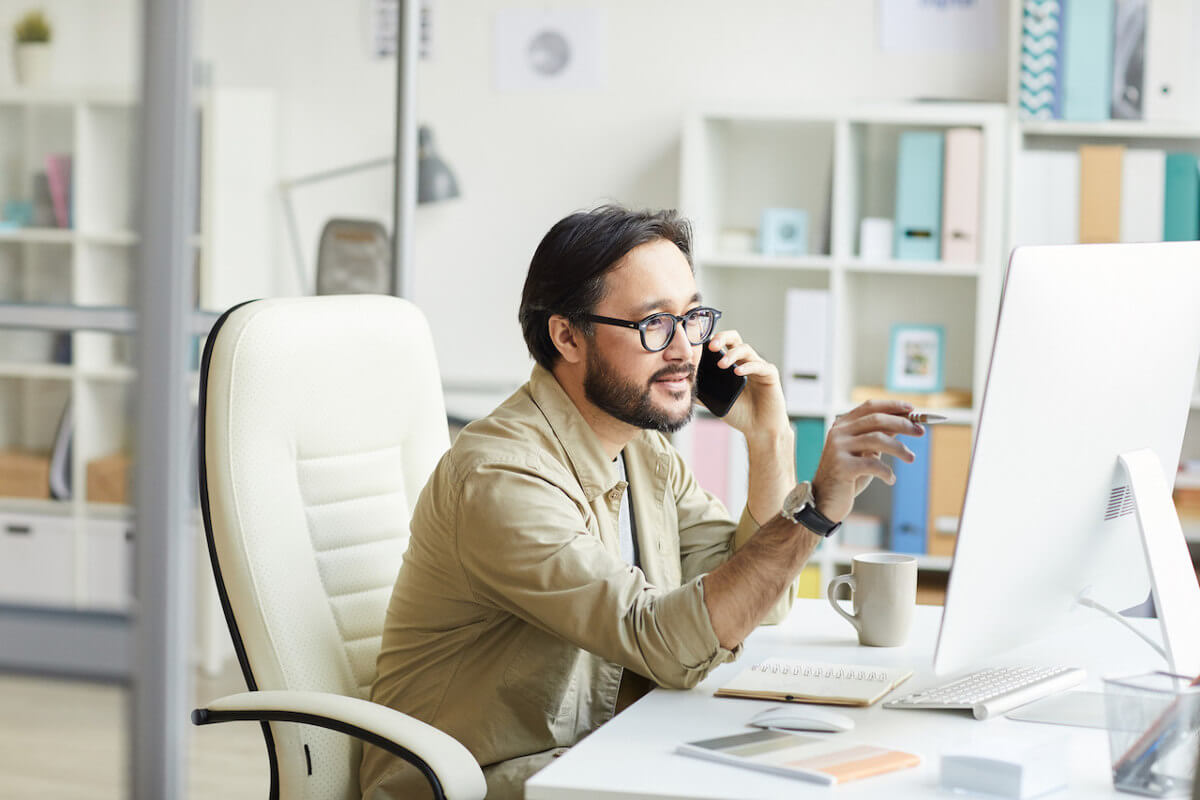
(916, 358)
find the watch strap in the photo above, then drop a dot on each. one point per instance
(815, 521)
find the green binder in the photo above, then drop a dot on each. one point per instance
(1181, 199)
(810, 441)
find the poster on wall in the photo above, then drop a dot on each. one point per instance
(549, 49)
(916, 26)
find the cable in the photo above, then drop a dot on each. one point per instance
(1090, 603)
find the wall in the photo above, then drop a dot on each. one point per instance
(524, 160)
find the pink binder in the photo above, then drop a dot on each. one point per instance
(960, 198)
(710, 455)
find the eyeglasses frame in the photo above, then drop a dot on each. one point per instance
(640, 325)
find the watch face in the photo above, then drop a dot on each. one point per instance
(797, 497)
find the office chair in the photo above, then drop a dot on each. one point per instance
(320, 420)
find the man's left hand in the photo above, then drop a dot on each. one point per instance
(760, 410)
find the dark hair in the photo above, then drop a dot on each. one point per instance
(566, 275)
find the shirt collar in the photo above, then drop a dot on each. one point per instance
(595, 471)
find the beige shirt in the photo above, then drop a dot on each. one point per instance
(514, 613)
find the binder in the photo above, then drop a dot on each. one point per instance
(1087, 52)
(1100, 192)
(1129, 48)
(810, 442)
(1143, 176)
(919, 196)
(710, 456)
(806, 358)
(1170, 82)
(963, 181)
(949, 462)
(1181, 199)
(910, 498)
(1046, 186)
(1041, 65)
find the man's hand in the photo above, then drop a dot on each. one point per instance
(853, 453)
(760, 410)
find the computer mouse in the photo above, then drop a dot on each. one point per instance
(799, 717)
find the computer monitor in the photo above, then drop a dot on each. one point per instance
(1094, 358)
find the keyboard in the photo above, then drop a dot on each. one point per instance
(989, 692)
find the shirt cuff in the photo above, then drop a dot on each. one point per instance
(699, 650)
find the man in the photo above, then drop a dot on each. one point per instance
(563, 558)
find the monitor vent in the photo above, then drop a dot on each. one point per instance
(1120, 503)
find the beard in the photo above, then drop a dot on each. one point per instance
(630, 403)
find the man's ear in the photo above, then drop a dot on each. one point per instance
(566, 338)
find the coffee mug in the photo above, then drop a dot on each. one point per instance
(883, 588)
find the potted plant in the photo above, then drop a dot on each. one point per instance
(32, 49)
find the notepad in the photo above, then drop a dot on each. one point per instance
(815, 682)
(826, 761)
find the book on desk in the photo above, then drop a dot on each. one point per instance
(815, 682)
(821, 760)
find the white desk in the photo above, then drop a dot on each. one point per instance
(633, 755)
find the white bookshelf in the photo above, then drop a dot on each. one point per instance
(1170, 135)
(839, 164)
(79, 283)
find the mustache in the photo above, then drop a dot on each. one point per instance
(674, 373)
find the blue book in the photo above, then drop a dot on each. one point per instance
(1087, 50)
(810, 442)
(1181, 199)
(910, 498)
(918, 233)
(1041, 67)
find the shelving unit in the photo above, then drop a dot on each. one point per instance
(67, 329)
(839, 164)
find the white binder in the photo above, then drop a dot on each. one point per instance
(1046, 197)
(1143, 175)
(1171, 85)
(806, 357)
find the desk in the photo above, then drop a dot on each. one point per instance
(633, 755)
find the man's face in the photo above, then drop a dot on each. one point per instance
(644, 389)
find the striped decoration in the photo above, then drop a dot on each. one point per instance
(1040, 31)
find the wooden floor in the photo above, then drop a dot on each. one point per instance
(67, 740)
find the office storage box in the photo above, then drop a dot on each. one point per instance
(108, 567)
(24, 474)
(37, 559)
(1187, 501)
(108, 479)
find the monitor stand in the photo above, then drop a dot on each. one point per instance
(1172, 580)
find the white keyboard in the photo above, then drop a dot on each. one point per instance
(994, 691)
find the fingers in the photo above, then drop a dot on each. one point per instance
(897, 408)
(893, 423)
(875, 443)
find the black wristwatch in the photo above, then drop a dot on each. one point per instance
(798, 507)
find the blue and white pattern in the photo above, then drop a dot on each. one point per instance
(1041, 29)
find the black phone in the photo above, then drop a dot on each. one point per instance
(717, 387)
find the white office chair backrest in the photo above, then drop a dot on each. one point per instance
(323, 418)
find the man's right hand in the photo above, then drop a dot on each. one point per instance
(853, 453)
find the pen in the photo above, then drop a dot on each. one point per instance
(922, 418)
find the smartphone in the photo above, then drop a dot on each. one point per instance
(717, 387)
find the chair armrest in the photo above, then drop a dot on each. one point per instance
(416, 742)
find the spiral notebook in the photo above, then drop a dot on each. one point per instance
(815, 682)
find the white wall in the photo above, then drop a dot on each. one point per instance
(524, 160)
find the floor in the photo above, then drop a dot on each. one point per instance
(66, 739)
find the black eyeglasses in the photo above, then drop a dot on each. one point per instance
(658, 330)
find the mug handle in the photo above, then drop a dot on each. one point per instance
(831, 591)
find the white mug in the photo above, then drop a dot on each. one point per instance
(875, 239)
(883, 587)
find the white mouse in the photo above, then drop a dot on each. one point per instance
(802, 718)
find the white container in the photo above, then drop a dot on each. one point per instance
(32, 62)
(37, 560)
(875, 239)
(108, 567)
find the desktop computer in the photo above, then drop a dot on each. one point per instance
(1076, 448)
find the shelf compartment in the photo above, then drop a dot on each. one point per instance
(741, 165)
